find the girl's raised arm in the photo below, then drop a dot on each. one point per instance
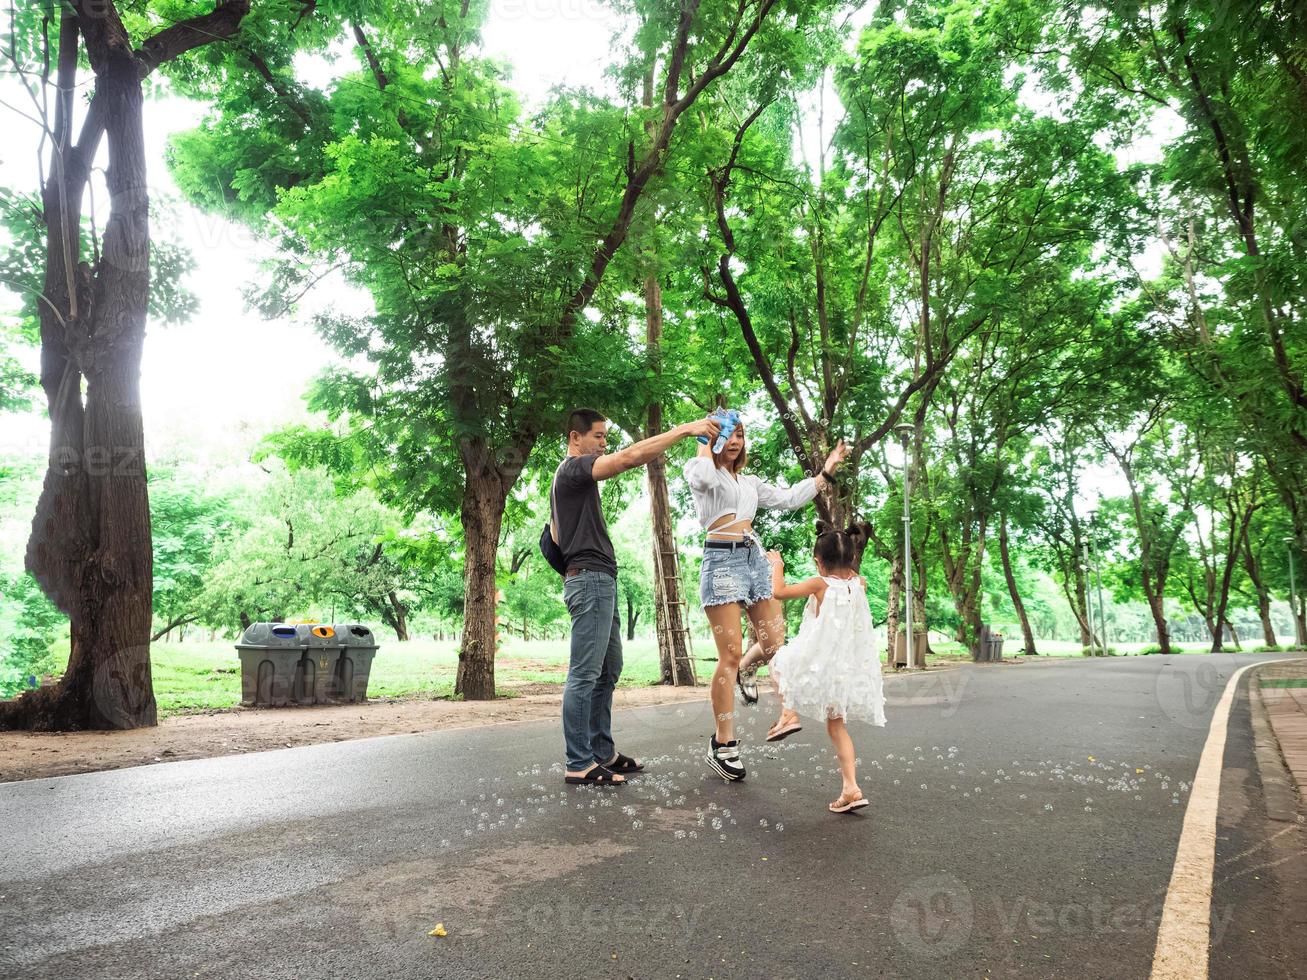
(799, 590)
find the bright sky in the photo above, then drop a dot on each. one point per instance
(224, 379)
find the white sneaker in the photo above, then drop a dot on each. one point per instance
(724, 757)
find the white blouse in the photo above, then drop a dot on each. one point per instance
(718, 492)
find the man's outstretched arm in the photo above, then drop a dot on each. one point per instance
(646, 450)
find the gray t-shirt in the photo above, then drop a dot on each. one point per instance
(579, 519)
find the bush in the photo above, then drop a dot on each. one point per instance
(30, 625)
(1274, 649)
(1098, 652)
(1146, 651)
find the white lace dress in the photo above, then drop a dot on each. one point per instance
(831, 670)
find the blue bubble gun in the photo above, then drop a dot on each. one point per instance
(729, 419)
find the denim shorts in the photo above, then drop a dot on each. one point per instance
(734, 575)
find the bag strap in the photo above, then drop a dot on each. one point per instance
(553, 517)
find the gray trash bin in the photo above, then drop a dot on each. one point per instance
(996, 648)
(358, 647)
(270, 654)
(315, 673)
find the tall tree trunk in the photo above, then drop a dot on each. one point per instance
(1254, 569)
(483, 515)
(675, 665)
(918, 602)
(1027, 634)
(400, 612)
(1159, 622)
(90, 547)
(892, 603)
(631, 616)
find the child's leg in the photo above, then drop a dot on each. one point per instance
(839, 735)
(787, 717)
(753, 658)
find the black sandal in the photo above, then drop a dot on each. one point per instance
(623, 764)
(598, 776)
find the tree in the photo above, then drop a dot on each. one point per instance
(186, 524)
(90, 548)
(531, 598)
(488, 237)
(1158, 459)
(304, 550)
(1234, 182)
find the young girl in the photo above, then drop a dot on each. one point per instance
(831, 669)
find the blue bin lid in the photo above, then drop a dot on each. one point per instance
(269, 636)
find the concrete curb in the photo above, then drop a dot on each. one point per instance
(1280, 721)
(1277, 783)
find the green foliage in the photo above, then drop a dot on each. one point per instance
(299, 550)
(187, 523)
(30, 623)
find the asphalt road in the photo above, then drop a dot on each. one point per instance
(1024, 824)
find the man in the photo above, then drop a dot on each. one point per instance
(590, 589)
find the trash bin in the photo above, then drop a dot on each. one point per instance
(270, 654)
(358, 646)
(316, 671)
(996, 647)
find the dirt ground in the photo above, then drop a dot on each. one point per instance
(25, 755)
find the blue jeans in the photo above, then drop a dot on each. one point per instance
(593, 670)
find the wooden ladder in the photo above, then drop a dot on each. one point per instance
(664, 612)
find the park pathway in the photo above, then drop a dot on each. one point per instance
(1025, 823)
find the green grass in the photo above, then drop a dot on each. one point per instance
(1285, 682)
(200, 675)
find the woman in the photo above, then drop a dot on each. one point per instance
(736, 574)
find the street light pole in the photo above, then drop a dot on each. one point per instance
(1089, 596)
(1298, 631)
(1098, 581)
(904, 432)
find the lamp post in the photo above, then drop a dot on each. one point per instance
(1098, 582)
(1089, 596)
(904, 432)
(1298, 631)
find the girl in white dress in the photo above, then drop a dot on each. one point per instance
(831, 669)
